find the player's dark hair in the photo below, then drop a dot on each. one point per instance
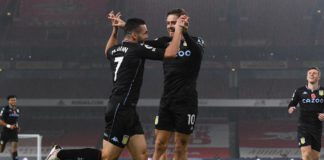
(132, 25)
(177, 11)
(315, 68)
(11, 96)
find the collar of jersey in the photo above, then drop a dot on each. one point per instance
(314, 89)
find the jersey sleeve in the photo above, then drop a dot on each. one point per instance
(108, 54)
(3, 115)
(294, 99)
(196, 45)
(161, 42)
(148, 52)
(17, 120)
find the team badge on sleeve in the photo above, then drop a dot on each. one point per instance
(149, 47)
(201, 42)
(321, 92)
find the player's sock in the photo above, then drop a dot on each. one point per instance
(14, 155)
(76, 154)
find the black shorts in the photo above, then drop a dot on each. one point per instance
(122, 122)
(177, 115)
(8, 136)
(309, 136)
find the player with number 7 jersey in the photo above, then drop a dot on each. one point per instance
(127, 64)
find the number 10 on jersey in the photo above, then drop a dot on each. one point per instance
(191, 119)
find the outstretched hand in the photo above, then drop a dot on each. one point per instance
(115, 19)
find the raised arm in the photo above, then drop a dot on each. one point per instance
(116, 23)
(173, 48)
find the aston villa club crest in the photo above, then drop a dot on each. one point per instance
(321, 92)
(302, 140)
(125, 139)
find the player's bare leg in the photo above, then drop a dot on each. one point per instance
(110, 151)
(2, 148)
(161, 143)
(315, 155)
(181, 146)
(14, 154)
(137, 147)
(306, 152)
(14, 146)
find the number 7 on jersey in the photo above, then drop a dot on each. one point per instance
(119, 60)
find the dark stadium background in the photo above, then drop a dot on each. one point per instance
(256, 54)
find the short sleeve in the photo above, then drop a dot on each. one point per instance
(148, 52)
(294, 99)
(3, 113)
(161, 42)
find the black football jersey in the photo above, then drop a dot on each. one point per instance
(311, 103)
(181, 73)
(127, 66)
(9, 115)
